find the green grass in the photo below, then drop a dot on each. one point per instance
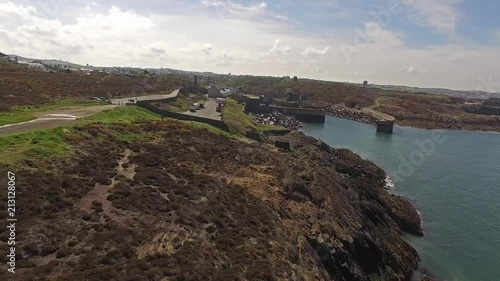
(182, 104)
(210, 128)
(23, 114)
(235, 118)
(14, 117)
(38, 145)
(50, 144)
(241, 123)
(58, 104)
(123, 114)
(266, 128)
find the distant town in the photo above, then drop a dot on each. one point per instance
(210, 77)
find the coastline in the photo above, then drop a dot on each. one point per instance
(430, 128)
(319, 211)
(407, 217)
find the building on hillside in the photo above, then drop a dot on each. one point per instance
(219, 92)
(365, 83)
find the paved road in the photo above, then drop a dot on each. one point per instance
(124, 101)
(68, 115)
(207, 112)
(54, 118)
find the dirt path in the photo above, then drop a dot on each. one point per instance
(54, 118)
(377, 114)
(124, 101)
(68, 115)
(100, 192)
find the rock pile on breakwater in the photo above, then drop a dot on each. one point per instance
(355, 115)
(279, 119)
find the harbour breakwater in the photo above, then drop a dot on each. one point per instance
(354, 115)
(263, 105)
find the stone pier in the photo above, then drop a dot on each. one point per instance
(385, 126)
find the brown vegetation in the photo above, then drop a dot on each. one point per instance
(23, 87)
(410, 109)
(434, 112)
(204, 207)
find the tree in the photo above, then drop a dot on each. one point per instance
(295, 78)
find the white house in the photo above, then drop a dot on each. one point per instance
(218, 92)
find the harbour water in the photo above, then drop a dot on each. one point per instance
(451, 177)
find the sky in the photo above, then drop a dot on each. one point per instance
(424, 43)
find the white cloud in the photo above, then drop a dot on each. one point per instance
(195, 47)
(237, 9)
(413, 70)
(207, 48)
(440, 15)
(192, 38)
(277, 49)
(311, 51)
(158, 48)
(10, 9)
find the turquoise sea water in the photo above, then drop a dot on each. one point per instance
(452, 178)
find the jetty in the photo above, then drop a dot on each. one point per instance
(385, 122)
(264, 105)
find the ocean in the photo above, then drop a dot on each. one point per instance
(451, 177)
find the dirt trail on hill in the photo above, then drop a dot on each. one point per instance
(379, 115)
(53, 119)
(100, 192)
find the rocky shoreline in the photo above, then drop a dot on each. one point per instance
(422, 122)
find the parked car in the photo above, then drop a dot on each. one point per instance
(192, 108)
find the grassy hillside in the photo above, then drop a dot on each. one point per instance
(320, 91)
(241, 123)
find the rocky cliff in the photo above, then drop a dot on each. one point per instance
(164, 201)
